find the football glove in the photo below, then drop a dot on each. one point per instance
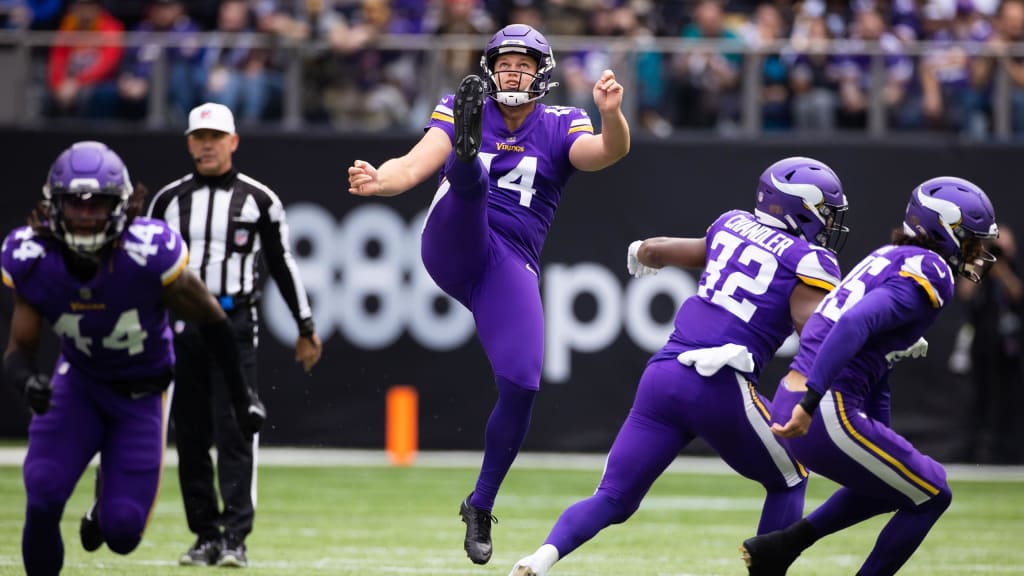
(636, 268)
(250, 415)
(38, 392)
(918, 349)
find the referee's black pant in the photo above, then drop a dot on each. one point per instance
(203, 417)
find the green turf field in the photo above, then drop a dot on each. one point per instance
(379, 520)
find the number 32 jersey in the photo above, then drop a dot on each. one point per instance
(743, 295)
(113, 327)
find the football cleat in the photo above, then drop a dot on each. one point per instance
(205, 552)
(478, 532)
(469, 112)
(767, 555)
(89, 529)
(522, 569)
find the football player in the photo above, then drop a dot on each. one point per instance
(881, 307)
(104, 279)
(495, 202)
(764, 273)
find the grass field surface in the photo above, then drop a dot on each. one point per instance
(320, 513)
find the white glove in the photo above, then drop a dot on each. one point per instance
(918, 349)
(636, 268)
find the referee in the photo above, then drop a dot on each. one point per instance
(227, 219)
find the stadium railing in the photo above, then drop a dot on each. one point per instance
(19, 101)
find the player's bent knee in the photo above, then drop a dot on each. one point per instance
(123, 523)
(620, 510)
(44, 482)
(940, 502)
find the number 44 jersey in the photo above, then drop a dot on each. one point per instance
(113, 327)
(743, 295)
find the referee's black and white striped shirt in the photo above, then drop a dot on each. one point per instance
(227, 221)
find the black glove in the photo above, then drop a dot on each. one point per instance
(38, 392)
(21, 372)
(250, 414)
(249, 411)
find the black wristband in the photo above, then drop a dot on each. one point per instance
(307, 328)
(18, 368)
(810, 401)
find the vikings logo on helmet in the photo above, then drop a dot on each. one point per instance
(956, 215)
(805, 198)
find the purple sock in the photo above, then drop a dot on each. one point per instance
(903, 534)
(506, 430)
(845, 508)
(782, 508)
(468, 178)
(583, 520)
(42, 548)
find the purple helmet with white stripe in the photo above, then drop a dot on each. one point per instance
(956, 216)
(519, 39)
(87, 195)
(805, 198)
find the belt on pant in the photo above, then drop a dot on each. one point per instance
(229, 303)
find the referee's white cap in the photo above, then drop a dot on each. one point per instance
(211, 116)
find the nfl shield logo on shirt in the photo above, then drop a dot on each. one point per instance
(241, 237)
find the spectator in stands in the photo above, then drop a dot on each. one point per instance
(235, 71)
(995, 309)
(82, 76)
(813, 72)
(703, 83)
(585, 65)
(949, 100)
(869, 31)
(375, 87)
(1009, 29)
(452, 17)
(25, 14)
(765, 29)
(182, 56)
(307, 21)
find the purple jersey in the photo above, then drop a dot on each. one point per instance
(883, 306)
(114, 327)
(528, 168)
(743, 296)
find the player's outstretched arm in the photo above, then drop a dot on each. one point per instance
(400, 174)
(667, 251)
(190, 300)
(591, 153)
(20, 369)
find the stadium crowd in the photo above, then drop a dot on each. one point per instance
(938, 58)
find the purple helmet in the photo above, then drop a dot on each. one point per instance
(87, 193)
(521, 39)
(956, 216)
(805, 198)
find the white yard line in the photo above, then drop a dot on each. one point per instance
(321, 457)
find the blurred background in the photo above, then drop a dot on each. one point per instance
(889, 93)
